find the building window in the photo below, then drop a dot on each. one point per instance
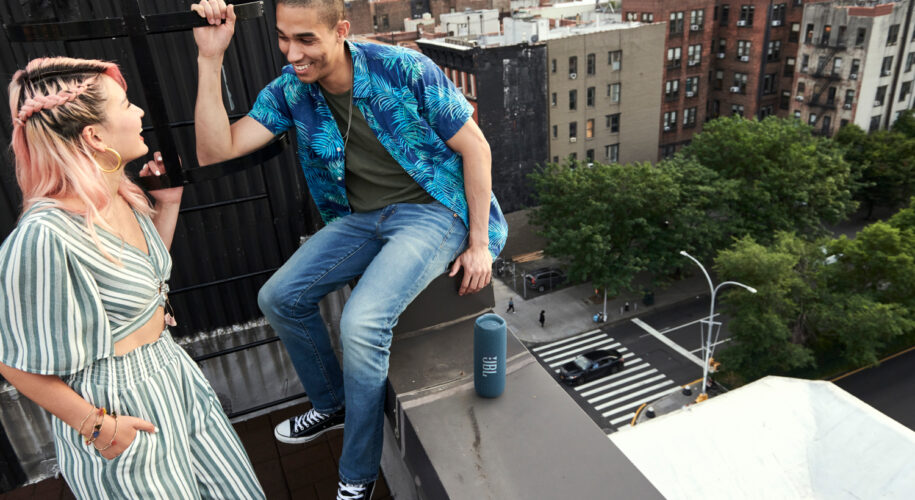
(553, 65)
(812, 119)
(893, 35)
(746, 15)
(672, 89)
(573, 67)
(784, 101)
(766, 111)
(589, 128)
(909, 61)
(615, 59)
(719, 79)
(824, 38)
(887, 68)
(855, 67)
(613, 123)
(694, 55)
(614, 92)
(673, 57)
(722, 47)
(692, 86)
(573, 130)
(591, 64)
(794, 34)
(670, 121)
(553, 99)
(875, 124)
(725, 9)
(555, 159)
(801, 88)
(737, 109)
(831, 96)
(590, 97)
(859, 38)
(696, 20)
(676, 23)
(743, 50)
(689, 117)
(849, 98)
(740, 83)
(778, 14)
(774, 52)
(555, 131)
(647, 17)
(904, 90)
(881, 95)
(589, 156)
(769, 83)
(668, 150)
(837, 66)
(573, 100)
(632, 16)
(612, 153)
(805, 63)
(789, 66)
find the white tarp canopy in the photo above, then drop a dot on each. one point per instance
(775, 438)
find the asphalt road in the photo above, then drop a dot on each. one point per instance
(889, 387)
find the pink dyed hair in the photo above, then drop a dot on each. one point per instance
(51, 101)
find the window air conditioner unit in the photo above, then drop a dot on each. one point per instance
(694, 27)
(847, 105)
(886, 72)
(735, 89)
(744, 58)
(573, 76)
(776, 22)
(741, 23)
(853, 76)
(690, 94)
(573, 139)
(799, 98)
(692, 63)
(721, 55)
(667, 128)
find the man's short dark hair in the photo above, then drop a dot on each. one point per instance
(329, 11)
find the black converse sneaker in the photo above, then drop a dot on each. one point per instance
(355, 491)
(304, 428)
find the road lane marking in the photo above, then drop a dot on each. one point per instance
(645, 399)
(669, 343)
(583, 348)
(617, 392)
(563, 341)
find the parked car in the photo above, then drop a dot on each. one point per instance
(544, 278)
(591, 365)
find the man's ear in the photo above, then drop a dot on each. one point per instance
(90, 135)
(342, 29)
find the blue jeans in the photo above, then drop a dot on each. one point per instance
(397, 250)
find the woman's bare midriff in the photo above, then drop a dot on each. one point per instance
(146, 334)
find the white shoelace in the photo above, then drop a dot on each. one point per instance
(312, 417)
(350, 491)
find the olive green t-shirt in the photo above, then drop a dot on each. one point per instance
(374, 179)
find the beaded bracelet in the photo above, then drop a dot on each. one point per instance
(111, 443)
(97, 429)
(81, 424)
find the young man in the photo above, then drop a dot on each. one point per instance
(401, 175)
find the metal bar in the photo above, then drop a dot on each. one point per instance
(218, 204)
(222, 281)
(209, 172)
(116, 27)
(266, 405)
(237, 348)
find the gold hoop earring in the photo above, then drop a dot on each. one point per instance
(117, 167)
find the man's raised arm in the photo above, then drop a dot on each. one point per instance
(217, 140)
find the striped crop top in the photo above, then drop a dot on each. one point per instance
(63, 304)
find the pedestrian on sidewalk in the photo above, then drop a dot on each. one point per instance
(542, 318)
(511, 305)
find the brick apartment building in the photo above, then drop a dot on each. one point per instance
(381, 16)
(856, 65)
(721, 59)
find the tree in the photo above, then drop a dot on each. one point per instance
(886, 161)
(768, 327)
(786, 179)
(613, 221)
(905, 124)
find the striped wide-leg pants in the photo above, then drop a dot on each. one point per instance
(194, 454)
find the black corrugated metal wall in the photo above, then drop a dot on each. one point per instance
(233, 231)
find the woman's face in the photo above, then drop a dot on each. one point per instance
(123, 123)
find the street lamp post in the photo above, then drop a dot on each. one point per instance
(711, 320)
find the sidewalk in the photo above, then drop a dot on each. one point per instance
(570, 310)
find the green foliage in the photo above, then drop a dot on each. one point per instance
(905, 124)
(784, 177)
(610, 222)
(885, 160)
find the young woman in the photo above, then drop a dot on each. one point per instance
(83, 289)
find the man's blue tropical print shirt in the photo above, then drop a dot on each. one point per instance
(409, 103)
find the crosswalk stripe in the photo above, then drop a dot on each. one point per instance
(614, 402)
(608, 342)
(625, 389)
(550, 352)
(628, 363)
(633, 376)
(552, 344)
(625, 418)
(639, 402)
